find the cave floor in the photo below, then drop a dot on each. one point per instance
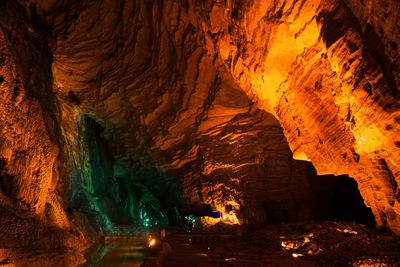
(297, 244)
(116, 254)
(314, 244)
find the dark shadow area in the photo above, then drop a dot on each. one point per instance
(347, 203)
(331, 198)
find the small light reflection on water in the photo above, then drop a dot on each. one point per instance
(116, 254)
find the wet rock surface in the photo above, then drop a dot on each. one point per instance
(307, 244)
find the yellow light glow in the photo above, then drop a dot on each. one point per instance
(287, 42)
(227, 217)
(368, 139)
(152, 242)
(347, 231)
(300, 155)
(296, 244)
(289, 245)
(296, 255)
(230, 218)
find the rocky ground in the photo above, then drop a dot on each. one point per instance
(308, 244)
(295, 244)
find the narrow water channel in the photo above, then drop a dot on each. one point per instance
(116, 254)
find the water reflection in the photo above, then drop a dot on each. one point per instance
(116, 254)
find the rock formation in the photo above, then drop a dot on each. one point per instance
(185, 86)
(329, 71)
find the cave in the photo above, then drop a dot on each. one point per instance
(199, 133)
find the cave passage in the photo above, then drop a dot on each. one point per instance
(332, 198)
(336, 198)
(120, 194)
(347, 203)
(199, 133)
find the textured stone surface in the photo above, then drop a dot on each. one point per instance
(28, 155)
(329, 72)
(167, 80)
(149, 73)
(31, 208)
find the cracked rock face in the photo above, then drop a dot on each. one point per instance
(186, 85)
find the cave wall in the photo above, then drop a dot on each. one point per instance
(31, 206)
(149, 71)
(117, 194)
(165, 77)
(329, 71)
(246, 164)
(29, 155)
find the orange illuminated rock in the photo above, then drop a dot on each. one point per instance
(329, 72)
(31, 207)
(181, 85)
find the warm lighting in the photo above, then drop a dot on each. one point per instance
(347, 231)
(291, 244)
(296, 244)
(297, 255)
(284, 46)
(152, 242)
(300, 155)
(371, 263)
(368, 139)
(228, 217)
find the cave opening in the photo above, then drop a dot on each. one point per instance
(337, 198)
(347, 203)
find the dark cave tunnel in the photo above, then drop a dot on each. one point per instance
(337, 198)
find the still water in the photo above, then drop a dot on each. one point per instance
(116, 254)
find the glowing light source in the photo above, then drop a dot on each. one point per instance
(152, 242)
(191, 219)
(230, 218)
(297, 255)
(289, 245)
(227, 216)
(347, 231)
